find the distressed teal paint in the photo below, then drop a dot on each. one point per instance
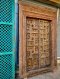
(7, 39)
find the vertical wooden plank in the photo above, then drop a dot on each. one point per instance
(20, 41)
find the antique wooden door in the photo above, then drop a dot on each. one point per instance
(37, 40)
(37, 43)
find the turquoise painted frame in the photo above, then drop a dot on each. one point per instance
(13, 39)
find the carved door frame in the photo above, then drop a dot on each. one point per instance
(29, 10)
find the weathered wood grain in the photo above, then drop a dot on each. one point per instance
(37, 12)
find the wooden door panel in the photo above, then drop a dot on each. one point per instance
(37, 43)
(44, 41)
(32, 44)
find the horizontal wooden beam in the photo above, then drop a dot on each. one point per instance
(55, 3)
